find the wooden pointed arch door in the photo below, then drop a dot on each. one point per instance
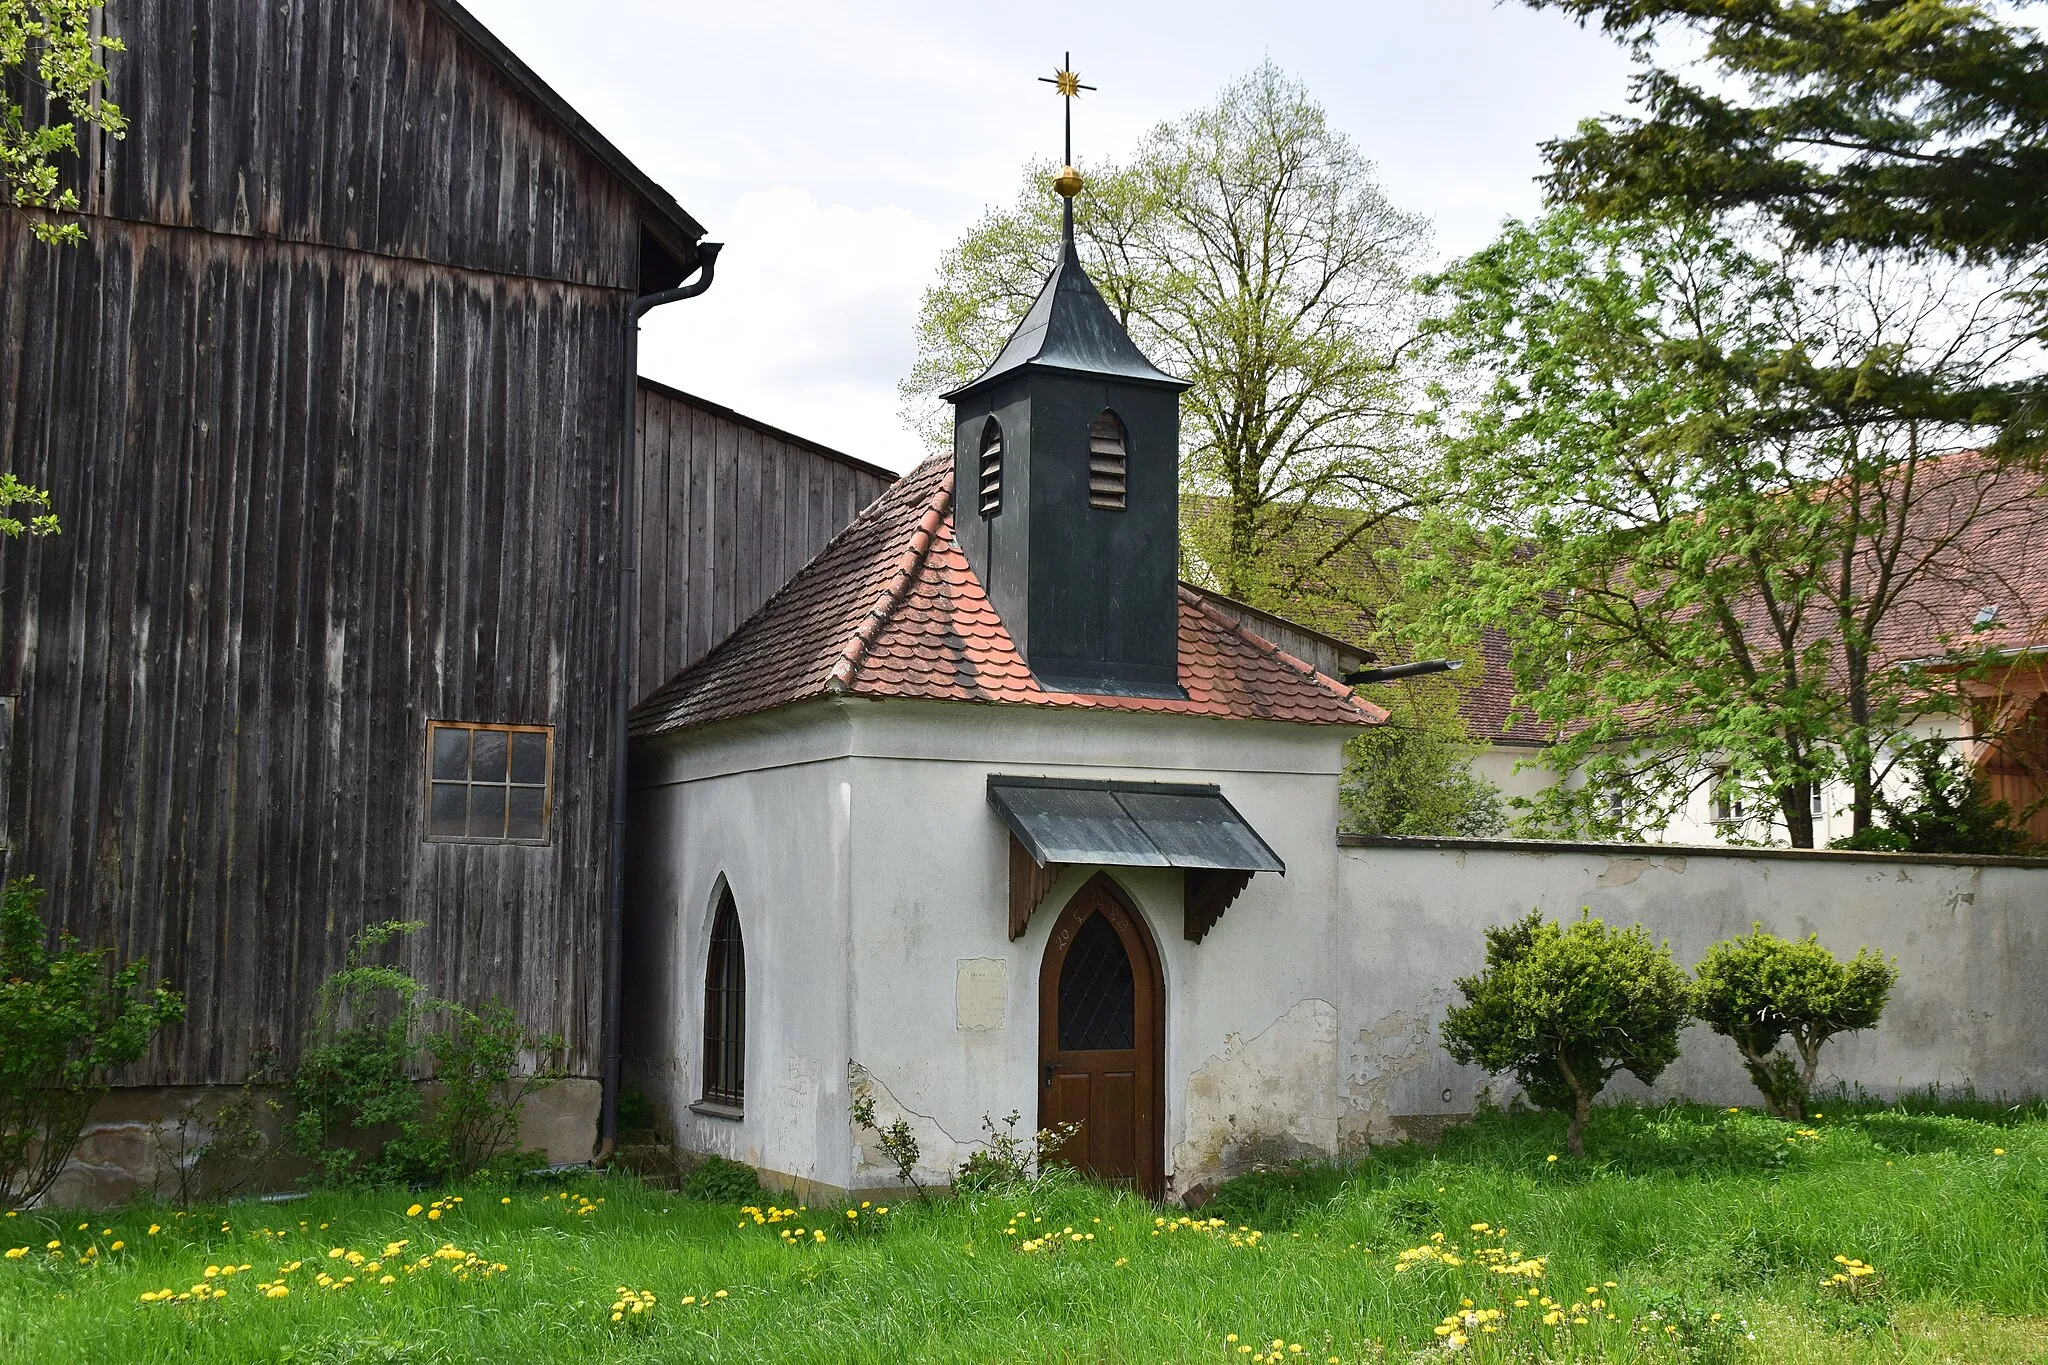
(1101, 1038)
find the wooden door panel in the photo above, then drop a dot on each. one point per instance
(1066, 1101)
(1114, 1153)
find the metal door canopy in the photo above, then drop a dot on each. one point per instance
(1129, 824)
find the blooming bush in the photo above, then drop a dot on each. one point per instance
(67, 1019)
(1565, 1008)
(1759, 990)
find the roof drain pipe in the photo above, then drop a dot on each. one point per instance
(622, 685)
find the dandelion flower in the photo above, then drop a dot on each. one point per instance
(413, 1212)
(1998, 1151)
(1551, 1157)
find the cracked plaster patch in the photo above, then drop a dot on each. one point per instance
(1394, 1046)
(1264, 1100)
(939, 1152)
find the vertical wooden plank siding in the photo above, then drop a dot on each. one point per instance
(330, 406)
(730, 510)
(311, 500)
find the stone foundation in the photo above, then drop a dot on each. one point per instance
(162, 1142)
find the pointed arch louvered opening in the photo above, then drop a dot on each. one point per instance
(1106, 464)
(991, 499)
(725, 1009)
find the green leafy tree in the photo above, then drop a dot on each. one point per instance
(1761, 990)
(1685, 489)
(1564, 1008)
(50, 79)
(1907, 128)
(36, 519)
(1413, 775)
(1247, 248)
(1946, 807)
(68, 1019)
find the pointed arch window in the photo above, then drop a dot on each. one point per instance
(725, 1009)
(1106, 463)
(991, 469)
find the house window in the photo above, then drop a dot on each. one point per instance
(1106, 463)
(991, 469)
(725, 1010)
(489, 784)
(1818, 812)
(1727, 804)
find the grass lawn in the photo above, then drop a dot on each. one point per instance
(1691, 1235)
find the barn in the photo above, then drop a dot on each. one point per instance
(337, 405)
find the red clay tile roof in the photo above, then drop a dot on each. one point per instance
(892, 608)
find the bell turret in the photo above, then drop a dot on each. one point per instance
(1067, 465)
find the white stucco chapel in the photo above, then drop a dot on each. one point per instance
(986, 812)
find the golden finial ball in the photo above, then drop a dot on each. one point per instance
(1068, 182)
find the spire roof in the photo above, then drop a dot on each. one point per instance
(1070, 329)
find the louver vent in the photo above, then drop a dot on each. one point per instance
(1106, 463)
(991, 469)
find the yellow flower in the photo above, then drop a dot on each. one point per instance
(1551, 1157)
(506, 1200)
(52, 1244)
(155, 1228)
(719, 1295)
(118, 1245)
(1998, 1151)
(413, 1212)
(433, 1214)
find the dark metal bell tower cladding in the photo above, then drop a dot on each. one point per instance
(1066, 464)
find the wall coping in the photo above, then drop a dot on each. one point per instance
(1420, 842)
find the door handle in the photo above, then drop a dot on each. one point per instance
(1050, 1069)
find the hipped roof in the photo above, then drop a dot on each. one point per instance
(892, 608)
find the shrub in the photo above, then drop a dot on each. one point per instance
(357, 1109)
(1563, 1009)
(898, 1143)
(1759, 990)
(718, 1181)
(1009, 1160)
(1947, 808)
(67, 1019)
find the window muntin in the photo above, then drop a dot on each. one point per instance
(991, 469)
(489, 784)
(725, 1009)
(1107, 464)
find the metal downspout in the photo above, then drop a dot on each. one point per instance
(622, 685)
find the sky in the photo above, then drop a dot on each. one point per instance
(837, 150)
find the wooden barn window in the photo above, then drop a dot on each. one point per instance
(991, 469)
(725, 1011)
(489, 784)
(1106, 463)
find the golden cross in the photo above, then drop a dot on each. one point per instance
(1068, 83)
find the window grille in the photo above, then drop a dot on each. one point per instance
(725, 1009)
(1106, 463)
(991, 469)
(489, 784)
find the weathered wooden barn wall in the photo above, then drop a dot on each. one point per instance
(730, 509)
(331, 405)
(371, 125)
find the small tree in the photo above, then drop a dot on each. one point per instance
(1760, 989)
(1564, 1008)
(1947, 807)
(67, 1019)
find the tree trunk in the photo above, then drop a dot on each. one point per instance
(1582, 1113)
(1796, 804)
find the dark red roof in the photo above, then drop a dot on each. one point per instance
(892, 608)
